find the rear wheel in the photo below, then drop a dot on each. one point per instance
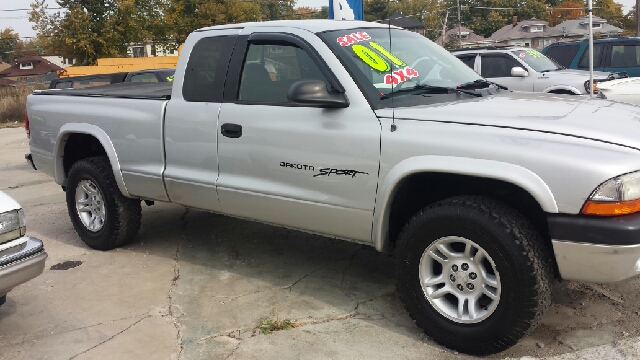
(474, 274)
(103, 217)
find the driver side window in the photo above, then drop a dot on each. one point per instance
(493, 66)
(270, 69)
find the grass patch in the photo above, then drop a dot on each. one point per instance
(13, 100)
(267, 326)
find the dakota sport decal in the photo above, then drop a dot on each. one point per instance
(329, 171)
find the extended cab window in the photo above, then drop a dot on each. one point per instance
(623, 56)
(469, 60)
(494, 66)
(270, 69)
(205, 72)
(584, 60)
(563, 54)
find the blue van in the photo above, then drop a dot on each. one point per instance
(609, 55)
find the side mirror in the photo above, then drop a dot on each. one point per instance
(519, 72)
(314, 93)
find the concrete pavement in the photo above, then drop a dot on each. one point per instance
(195, 285)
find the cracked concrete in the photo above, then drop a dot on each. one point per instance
(195, 285)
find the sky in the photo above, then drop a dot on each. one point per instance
(19, 20)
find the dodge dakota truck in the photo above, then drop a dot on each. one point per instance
(372, 134)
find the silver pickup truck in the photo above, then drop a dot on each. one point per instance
(370, 134)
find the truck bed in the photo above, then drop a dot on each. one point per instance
(149, 91)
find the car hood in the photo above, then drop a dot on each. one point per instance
(7, 203)
(570, 115)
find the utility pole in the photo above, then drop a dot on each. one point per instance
(637, 18)
(460, 30)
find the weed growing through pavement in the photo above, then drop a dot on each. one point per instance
(267, 326)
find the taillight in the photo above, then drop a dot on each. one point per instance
(26, 124)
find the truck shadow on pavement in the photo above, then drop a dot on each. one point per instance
(229, 274)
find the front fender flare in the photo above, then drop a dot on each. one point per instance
(82, 128)
(491, 169)
(574, 90)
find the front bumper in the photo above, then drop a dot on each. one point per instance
(20, 263)
(596, 249)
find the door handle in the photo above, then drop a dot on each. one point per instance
(233, 131)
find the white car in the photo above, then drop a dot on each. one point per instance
(525, 69)
(623, 90)
(22, 257)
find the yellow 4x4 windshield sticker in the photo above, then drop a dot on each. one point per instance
(535, 54)
(394, 59)
(370, 58)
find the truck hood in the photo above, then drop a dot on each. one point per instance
(579, 73)
(570, 115)
(7, 203)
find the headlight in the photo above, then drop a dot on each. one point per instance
(12, 225)
(617, 196)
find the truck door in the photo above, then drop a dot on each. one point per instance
(297, 166)
(497, 68)
(191, 141)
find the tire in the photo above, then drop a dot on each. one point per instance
(3, 299)
(103, 217)
(504, 257)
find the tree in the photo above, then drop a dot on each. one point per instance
(610, 11)
(425, 11)
(376, 10)
(630, 23)
(8, 41)
(92, 29)
(567, 10)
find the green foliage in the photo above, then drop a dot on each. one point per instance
(267, 326)
(376, 10)
(609, 10)
(8, 41)
(93, 29)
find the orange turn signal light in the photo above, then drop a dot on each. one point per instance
(611, 208)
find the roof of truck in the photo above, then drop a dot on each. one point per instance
(314, 26)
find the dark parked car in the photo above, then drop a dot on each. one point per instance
(609, 55)
(78, 82)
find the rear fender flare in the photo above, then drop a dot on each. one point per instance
(514, 174)
(83, 128)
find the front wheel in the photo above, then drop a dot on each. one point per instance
(103, 217)
(474, 274)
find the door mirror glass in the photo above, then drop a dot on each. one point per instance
(314, 93)
(519, 72)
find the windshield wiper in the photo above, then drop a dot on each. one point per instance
(429, 89)
(473, 84)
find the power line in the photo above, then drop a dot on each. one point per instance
(9, 10)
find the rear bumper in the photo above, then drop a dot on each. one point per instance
(21, 263)
(596, 249)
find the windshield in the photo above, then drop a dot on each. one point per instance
(537, 60)
(381, 63)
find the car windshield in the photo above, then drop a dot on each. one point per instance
(384, 61)
(537, 60)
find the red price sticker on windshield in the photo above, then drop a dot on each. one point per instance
(522, 55)
(400, 76)
(353, 38)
